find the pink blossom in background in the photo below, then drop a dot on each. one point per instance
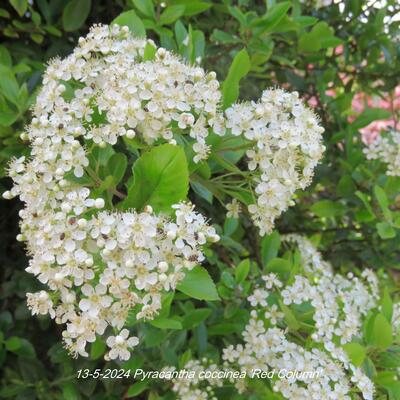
(361, 101)
(330, 92)
(338, 50)
(312, 101)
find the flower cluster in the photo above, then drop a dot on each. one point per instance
(132, 95)
(198, 386)
(97, 269)
(99, 265)
(112, 86)
(322, 368)
(387, 150)
(338, 306)
(287, 147)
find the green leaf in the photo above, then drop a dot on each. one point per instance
(328, 208)
(321, 36)
(305, 21)
(238, 15)
(242, 270)
(137, 388)
(166, 323)
(171, 14)
(75, 14)
(346, 186)
(290, 318)
(195, 7)
(4, 13)
(369, 115)
(13, 343)
(385, 230)
(383, 202)
(224, 37)
(356, 353)
(8, 84)
(149, 52)
(70, 391)
(146, 7)
(97, 349)
(20, 346)
(117, 166)
(166, 304)
(273, 17)
(227, 279)
(390, 358)
(230, 226)
(199, 44)
(161, 179)
(195, 317)
(132, 21)
(387, 305)
(270, 246)
(238, 69)
(279, 266)
(381, 334)
(20, 6)
(5, 57)
(364, 198)
(180, 32)
(198, 284)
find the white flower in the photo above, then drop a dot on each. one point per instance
(273, 314)
(96, 299)
(387, 150)
(40, 303)
(337, 303)
(121, 344)
(271, 280)
(233, 209)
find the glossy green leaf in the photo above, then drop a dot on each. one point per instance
(270, 246)
(356, 352)
(290, 318)
(195, 317)
(97, 349)
(328, 208)
(117, 166)
(242, 270)
(146, 7)
(198, 284)
(381, 334)
(161, 179)
(137, 388)
(385, 230)
(238, 69)
(273, 17)
(75, 14)
(387, 305)
(20, 6)
(171, 14)
(132, 21)
(166, 323)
